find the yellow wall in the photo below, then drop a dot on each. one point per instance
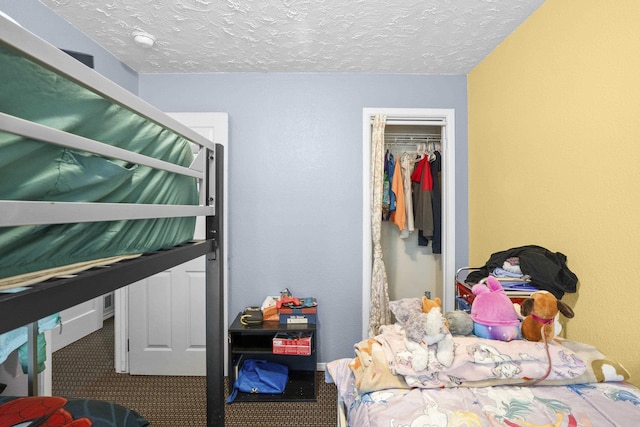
(554, 159)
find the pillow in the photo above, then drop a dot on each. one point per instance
(18, 410)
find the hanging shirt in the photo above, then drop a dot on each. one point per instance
(386, 189)
(423, 209)
(399, 215)
(436, 202)
(391, 168)
(406, 163)
(422, 174)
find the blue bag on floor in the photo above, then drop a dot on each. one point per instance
(260, 376)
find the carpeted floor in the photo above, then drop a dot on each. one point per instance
(85, 369)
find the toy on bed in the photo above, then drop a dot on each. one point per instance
(426, 336)
(490, 382)
(493, 314)
(459, 322)
(428, 304)
(540, 312)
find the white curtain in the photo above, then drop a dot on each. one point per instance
(379, 313)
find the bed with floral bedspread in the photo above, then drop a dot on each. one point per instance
(490, 383)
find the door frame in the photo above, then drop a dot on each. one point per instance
(417, 116)
(220, 124)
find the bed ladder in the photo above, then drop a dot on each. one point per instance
(32, 359)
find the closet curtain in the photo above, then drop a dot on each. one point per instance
(379, 313)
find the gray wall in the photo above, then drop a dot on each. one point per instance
(45, 23)
(295, 179)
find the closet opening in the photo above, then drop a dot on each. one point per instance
(413, 260)
(414, 265)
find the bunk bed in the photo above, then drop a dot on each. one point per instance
(99, 181)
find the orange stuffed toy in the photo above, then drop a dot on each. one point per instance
(539, 313)
(428, 304)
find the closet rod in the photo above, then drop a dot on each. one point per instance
(412, 135)
(414, 143)
(416, 121)
(411, 138)
(415, 146)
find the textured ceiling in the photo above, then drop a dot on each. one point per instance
(359, 36)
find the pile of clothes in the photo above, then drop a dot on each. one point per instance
(544, 269)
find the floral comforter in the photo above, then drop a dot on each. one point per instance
(574, 405)
(490, 383)
(384, 362)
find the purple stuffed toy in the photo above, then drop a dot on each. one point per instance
(493, 314)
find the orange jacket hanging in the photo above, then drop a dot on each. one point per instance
(399, 215)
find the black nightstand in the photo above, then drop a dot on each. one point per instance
(256, 342)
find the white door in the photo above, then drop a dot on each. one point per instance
(167, 322)
(161, 319)
(77, 322)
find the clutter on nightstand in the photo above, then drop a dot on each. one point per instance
(251, 316)
(288, 309)
(293, 310)
(304, 313)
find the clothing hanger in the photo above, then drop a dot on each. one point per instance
(421, 148)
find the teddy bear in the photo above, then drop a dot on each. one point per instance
(540, 311)
(493, 314)
(426, 336)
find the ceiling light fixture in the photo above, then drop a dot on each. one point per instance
(144, 40)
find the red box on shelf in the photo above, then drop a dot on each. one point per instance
(292, 343)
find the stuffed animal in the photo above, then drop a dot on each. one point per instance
(459, 322)
(429, 340)
(428, 304)
(426, 336)
(405, 307)
(493, 314)
(540, 311)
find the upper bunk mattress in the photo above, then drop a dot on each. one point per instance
(38, 171)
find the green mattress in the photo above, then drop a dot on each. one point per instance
(38, 171)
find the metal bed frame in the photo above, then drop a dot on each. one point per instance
(26, 307)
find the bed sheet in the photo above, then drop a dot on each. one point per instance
(594, 404)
